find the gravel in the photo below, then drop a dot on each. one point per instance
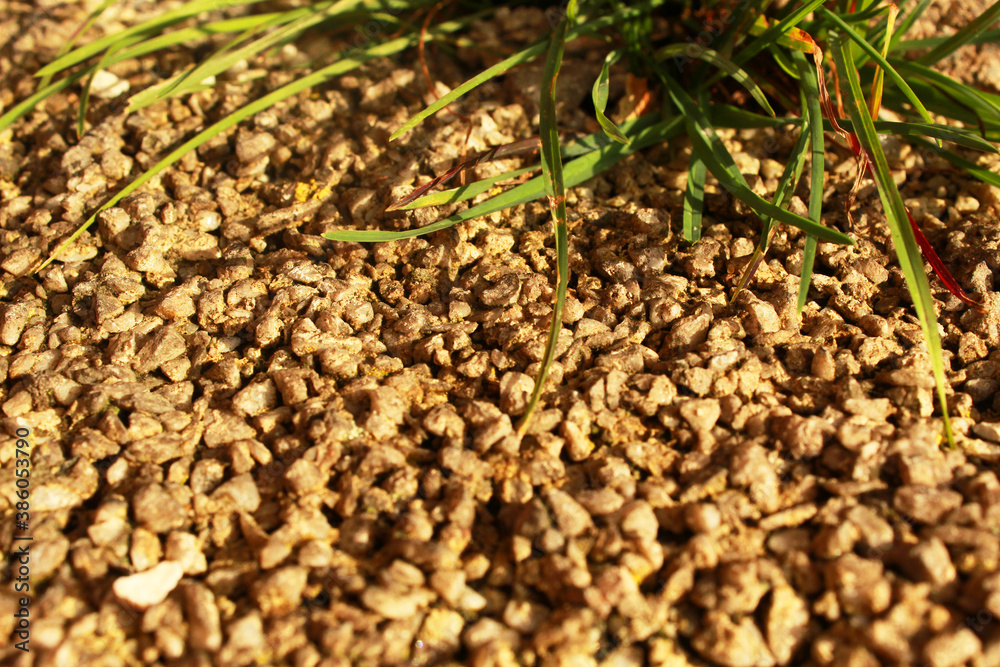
(255, 446)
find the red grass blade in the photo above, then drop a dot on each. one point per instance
(940, 269)
(864, 165)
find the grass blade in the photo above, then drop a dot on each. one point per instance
(720, 61)
(600, 97)
(720, 162)
(645, 132)
(962, 37)
(971, 168)
(907, 23)
(242, 24)
(694, 199)
(775, 33)
(864, 15)
(988, 37)
(144, 46)
(106, 57)
(903, 239)
(942, 103)
(879, 82)
(980, 104)
(227, 56)
(87, 25)
(956, 135)
(464, 192)
(347, 63)
(786, 185)
(152, 26)
(725, 115)
(555, 191)
(817, 165)
(529, 145)
(575, 149)
(22, 108)
(523, 56)
(889, 70)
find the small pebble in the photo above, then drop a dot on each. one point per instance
(151, 587)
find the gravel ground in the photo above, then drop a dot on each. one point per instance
(255, 446)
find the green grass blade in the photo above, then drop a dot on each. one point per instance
(140, 45)
(464, 192)
(971, 168)
(721, 164)
(88, 24)
(720, 61)
(817, 165)
(172, 86)
(977, 26)
(805, 278)
(131, 49)
(106, 58)
(694, 200)
(555, 191)
(600, 97)
(582, 146)
(982, 105)
(20, 109)
(725, 115)
(521, 57)
(907, 251)
(241, 24)
(955, 135)
(864, 15)
(988, 37)
(742, 17)
(153, 26)
(889, 70)
(644, 131)
(904, 26)
(347, 63)
(789, 178)
(228, 56)
(942, 104)
(783, 60)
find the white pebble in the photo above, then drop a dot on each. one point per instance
(107, 86)
(208, 221)
(151, 587)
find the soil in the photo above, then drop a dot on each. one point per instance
(251, 445)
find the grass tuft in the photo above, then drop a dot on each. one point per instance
(753, 48)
